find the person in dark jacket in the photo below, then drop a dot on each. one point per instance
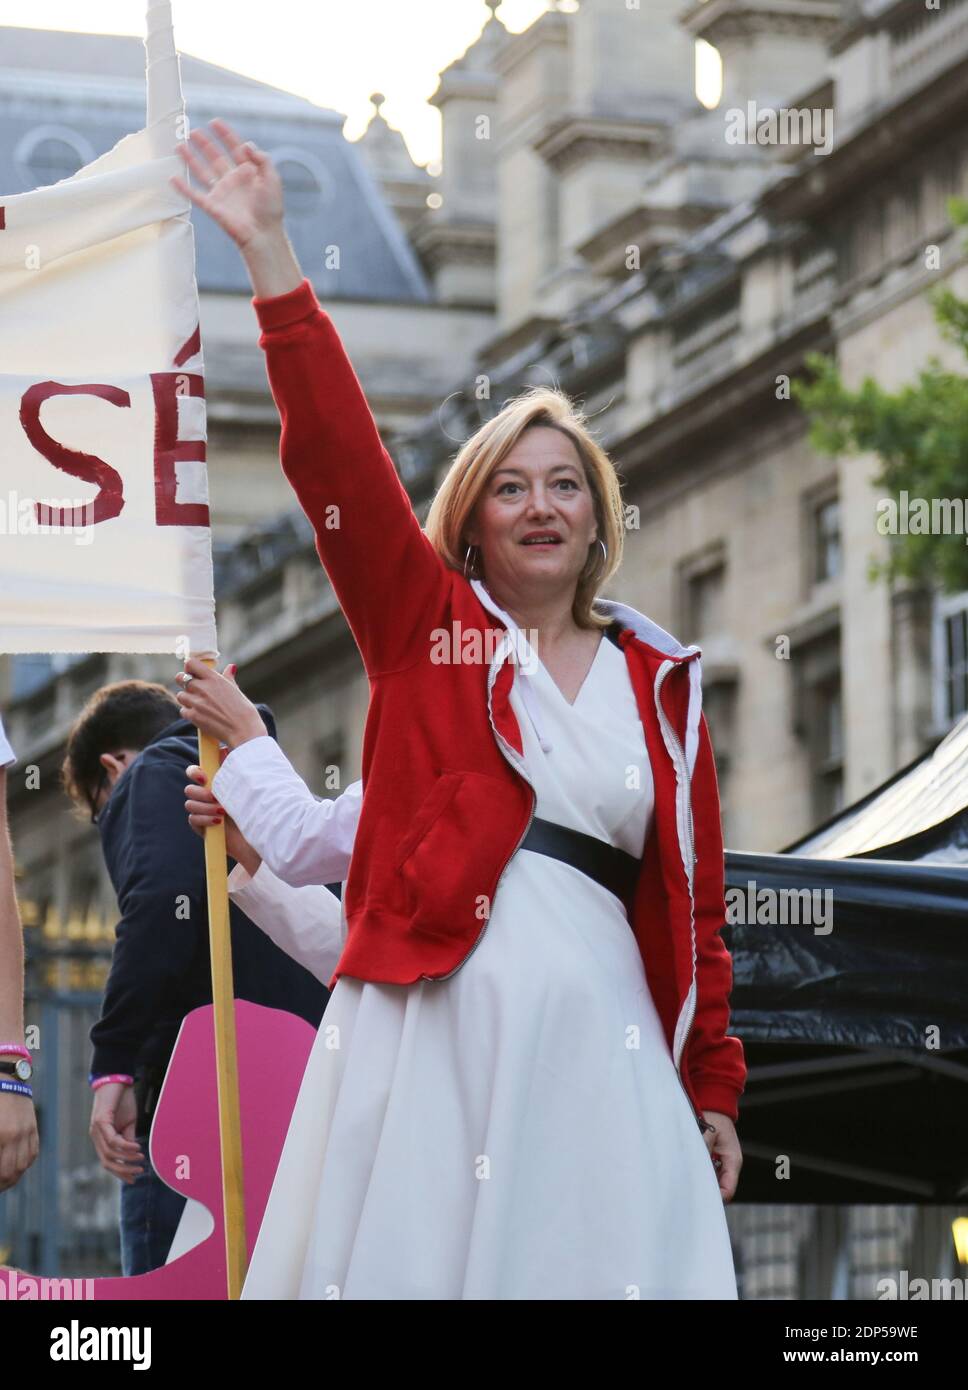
(125, 765)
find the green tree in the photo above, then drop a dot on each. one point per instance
(919, 433)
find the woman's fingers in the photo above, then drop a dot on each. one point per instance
(213, 702)
(256, 156)
(195, 671)
(230, 137)
(241, 149)
(188, 192)
(199, 804)
(194, 666)
(728, 1178)
(218, 160)
(198, 166)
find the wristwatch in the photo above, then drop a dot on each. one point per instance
(21, 1069)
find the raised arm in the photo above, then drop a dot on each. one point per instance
(388, 578)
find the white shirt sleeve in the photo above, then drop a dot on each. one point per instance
(303, 841)
(7, 755)
(307, 923)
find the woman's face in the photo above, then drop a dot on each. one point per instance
(535, 520)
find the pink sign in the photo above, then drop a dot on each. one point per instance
(185, 1150)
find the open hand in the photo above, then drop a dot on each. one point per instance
(242, 188)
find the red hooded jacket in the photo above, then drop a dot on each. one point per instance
(446, 795)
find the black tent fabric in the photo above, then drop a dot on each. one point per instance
(868, 954)
(850, 992)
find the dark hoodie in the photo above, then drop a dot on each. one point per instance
(160, 968)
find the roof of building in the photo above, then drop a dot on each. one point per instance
(67, 98)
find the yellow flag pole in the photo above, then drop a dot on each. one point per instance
(226, 1049)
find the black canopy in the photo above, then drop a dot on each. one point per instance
(850, 992)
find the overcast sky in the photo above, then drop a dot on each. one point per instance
(335, 52)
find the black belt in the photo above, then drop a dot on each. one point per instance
(613, 868)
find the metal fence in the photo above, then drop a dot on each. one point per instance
(62, 1218)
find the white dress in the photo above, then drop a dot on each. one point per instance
(517, 1131)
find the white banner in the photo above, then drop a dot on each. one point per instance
(104, 527)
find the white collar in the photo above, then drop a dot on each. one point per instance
(644, 628)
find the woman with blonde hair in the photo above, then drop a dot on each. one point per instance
(523, 1086)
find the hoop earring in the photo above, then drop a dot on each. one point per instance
(467, 556)
(604, 554)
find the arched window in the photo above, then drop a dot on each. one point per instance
(305, 182)
(52, 153)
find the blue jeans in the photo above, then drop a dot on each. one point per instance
(150, 1213)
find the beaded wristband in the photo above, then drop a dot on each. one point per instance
(19, 1088)
(14, 1050)
(95, 1081)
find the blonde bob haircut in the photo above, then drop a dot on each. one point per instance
(488, 447)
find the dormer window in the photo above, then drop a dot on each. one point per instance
(48, 155)
(301, 186)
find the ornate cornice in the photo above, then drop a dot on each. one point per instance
(441, 243)
(891, 137)
(572, 139)
(723, 408)
(646, 227)
(467, 86)
(720, 21)
(551, 27)
(859, 19)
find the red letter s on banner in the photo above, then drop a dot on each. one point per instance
(87, 467)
